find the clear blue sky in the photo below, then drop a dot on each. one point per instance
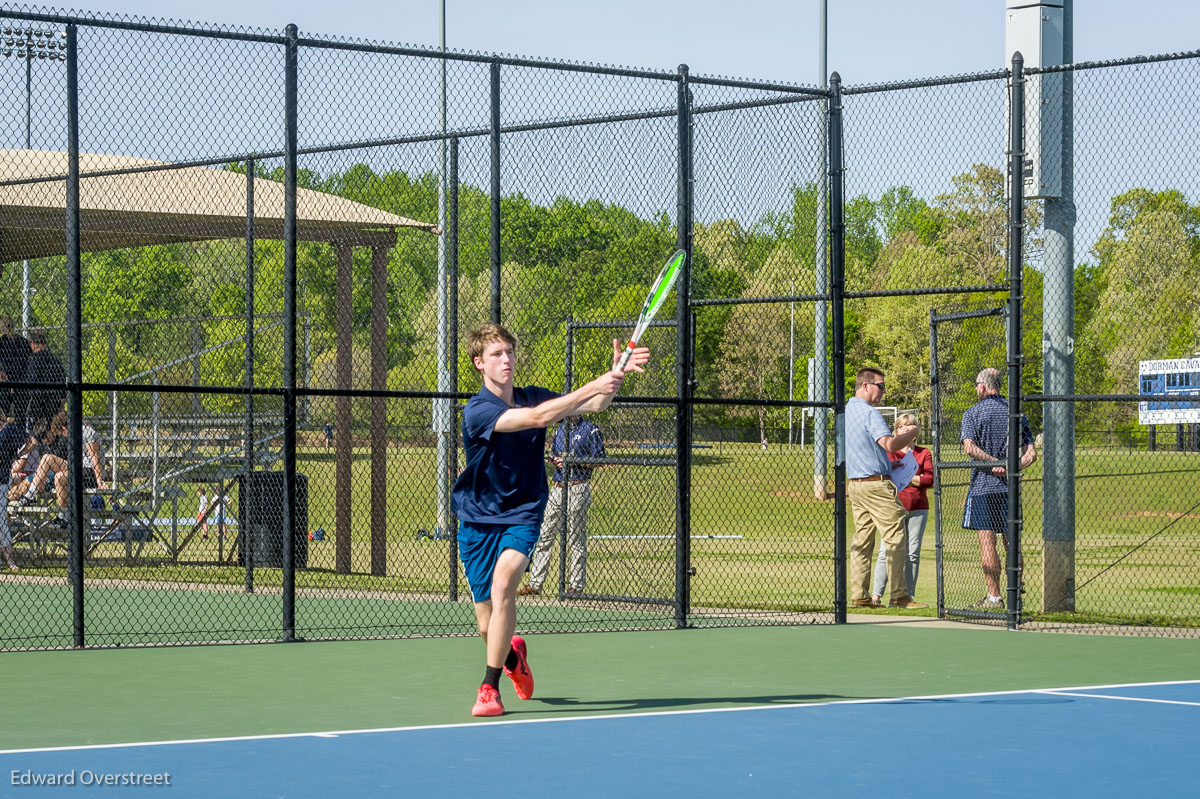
(870, 41)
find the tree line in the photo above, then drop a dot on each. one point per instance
(1137, 296)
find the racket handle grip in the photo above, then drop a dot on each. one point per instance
(625, 356)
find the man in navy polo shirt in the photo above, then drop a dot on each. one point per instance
(985, 438)
(500, 497)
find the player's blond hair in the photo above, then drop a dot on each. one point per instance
(480, 337)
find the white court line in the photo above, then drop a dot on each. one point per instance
(1120, 698)
(566, 719)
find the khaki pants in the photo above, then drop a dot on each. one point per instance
(875, 508)
(579, 499)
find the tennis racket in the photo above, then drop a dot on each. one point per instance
(658, 293)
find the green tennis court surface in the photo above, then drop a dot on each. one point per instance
(104, 696)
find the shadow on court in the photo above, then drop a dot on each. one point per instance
(574, 705)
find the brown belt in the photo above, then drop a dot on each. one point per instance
(569, 482)
(873, 478)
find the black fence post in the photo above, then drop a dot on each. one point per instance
(935, 431)
(245, 547)
(1016, 231)
(289, 333)
(451, 234)
(495, 190)
(74, 342)
(837, 277)
(683, 418)
(565, 487)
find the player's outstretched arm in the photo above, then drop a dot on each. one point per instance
(592, 397)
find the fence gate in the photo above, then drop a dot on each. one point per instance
(961, 343)
(632, 563)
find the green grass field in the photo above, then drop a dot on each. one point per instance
(761, 543)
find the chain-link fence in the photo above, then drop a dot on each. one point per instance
(246, 290)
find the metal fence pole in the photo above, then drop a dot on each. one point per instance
(820, 371)
(246, 547)
(451, 234)
(112, 399)
(74, 343)
(495, 189)
(935, 430)
(565, 488)
(683, 418)
(1016, 231)
(289, 333)
(837, 239)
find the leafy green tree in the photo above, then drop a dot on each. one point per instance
(1151, 299)
(754, 361)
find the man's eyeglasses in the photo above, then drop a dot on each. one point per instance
(880, 385)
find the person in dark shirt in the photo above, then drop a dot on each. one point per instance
(500, 497)
(44, 367)
(985, 438)
(14, 362)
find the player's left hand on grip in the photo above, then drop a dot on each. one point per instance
(636, 361)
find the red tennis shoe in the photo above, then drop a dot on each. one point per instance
(521, 676)
(488, 703)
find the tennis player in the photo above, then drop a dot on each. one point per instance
(500, 497)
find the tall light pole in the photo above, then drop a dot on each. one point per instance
(442, 421)
(31, 44)
(820, 368)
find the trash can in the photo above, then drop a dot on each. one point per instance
(260, 520)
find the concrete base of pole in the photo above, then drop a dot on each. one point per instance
(1058, 576)
(819, 488)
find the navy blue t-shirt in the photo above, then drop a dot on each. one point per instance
(504, 481)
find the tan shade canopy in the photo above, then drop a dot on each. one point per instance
(164, 206)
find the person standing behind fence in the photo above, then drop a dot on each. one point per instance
(872, 494)
(586, 444)
(914, 500)
(985, 438)
(14, 361)
(44, 367)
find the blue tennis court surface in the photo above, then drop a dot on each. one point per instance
(1115, 740)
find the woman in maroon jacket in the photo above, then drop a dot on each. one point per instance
(916, 512)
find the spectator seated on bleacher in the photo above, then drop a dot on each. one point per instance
(52, 448)
(25, 467)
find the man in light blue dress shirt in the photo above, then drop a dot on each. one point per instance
(872, 493)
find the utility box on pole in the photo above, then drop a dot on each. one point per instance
(1036, 31)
